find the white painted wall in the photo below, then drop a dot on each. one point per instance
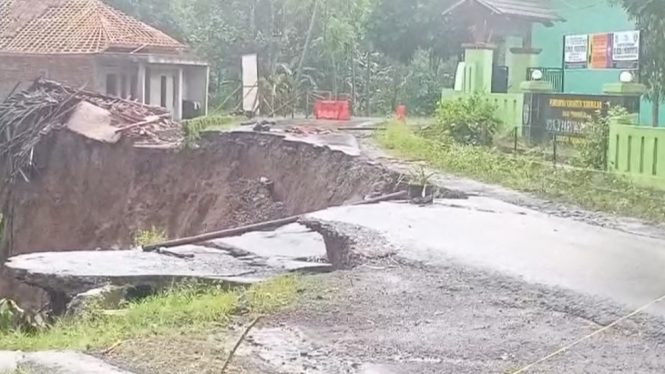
(195, 85)
(250, 83)
(156, 86)
(183, 82)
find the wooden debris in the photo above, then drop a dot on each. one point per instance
(29, 115)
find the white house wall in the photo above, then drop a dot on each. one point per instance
(195, 85)
(183, 82)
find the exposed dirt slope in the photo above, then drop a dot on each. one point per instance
(86, 195)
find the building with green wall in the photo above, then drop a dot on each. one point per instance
(585, 17)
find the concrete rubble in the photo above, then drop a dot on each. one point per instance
(241, 260)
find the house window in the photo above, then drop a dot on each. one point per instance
(163, 91)
(111, 84)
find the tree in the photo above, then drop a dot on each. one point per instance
(349, 48)
(399, 28)
(649, 16)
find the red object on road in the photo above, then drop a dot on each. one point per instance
(400, 112)
(332, 110)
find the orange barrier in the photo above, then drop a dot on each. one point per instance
(332, 110)
(400, 112)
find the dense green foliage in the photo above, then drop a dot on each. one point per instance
(468, 120)
(379, 53)
(593, 150)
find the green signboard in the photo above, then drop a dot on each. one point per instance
(547, 115)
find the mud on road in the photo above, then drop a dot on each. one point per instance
(406, 317)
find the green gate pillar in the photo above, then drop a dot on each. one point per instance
(628, 90)
(624, 89)
(478, 67)
(519, 60)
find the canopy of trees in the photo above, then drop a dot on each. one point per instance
(379, 52)
(649, 16)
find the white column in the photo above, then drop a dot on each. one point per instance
(205, 94)
(177, 108)
(140, 82)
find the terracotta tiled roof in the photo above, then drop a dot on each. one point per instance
(75, 26)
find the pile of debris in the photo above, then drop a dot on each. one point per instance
(29, 115)
(307, 130)
(47, 104)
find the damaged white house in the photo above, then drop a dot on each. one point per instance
(88, 44)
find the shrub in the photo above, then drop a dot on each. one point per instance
(468, 120)
(148, 237)
(593, 150)
(192, 128)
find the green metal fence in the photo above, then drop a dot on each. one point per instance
(552, 75)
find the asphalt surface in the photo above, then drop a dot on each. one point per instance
(520, 242)
(409, 318)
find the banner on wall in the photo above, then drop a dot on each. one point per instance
(618, 50)
(575, 51)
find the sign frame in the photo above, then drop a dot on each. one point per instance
(611, 62)
(549, 115)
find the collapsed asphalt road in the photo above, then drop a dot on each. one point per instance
(461, 286)
(464, 286)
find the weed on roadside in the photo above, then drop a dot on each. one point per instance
(587, 188)
(20, 370)
(148, 237)
(215, 122)
(188, 308)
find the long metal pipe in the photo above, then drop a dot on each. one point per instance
(255, 227)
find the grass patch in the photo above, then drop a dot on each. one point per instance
(20, 370)
(181, 310)
(148, 237)
(589, 189)
(214, 122)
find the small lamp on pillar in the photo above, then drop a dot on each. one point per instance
(626, 86)
(536, 83)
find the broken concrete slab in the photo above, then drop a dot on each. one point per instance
(342, 142)
(93, 122)
(73, 273)
(293, 241)
(9, 361)
(53, 362)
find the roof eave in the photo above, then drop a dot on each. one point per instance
(548, 21)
